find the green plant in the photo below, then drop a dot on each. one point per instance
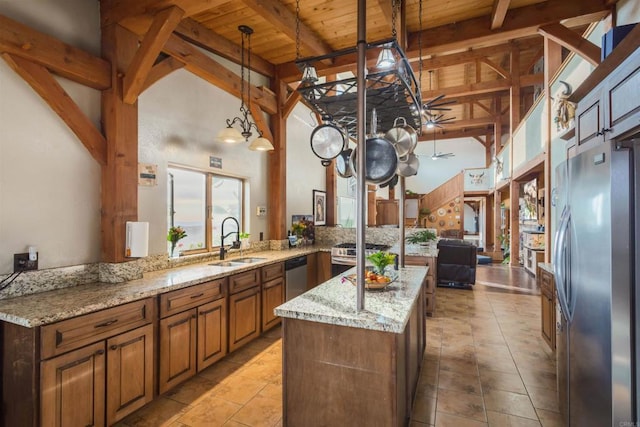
(381, 260)
(298, 228)
(175, 234)
(425, 211)
(244, 235)
(421, 236)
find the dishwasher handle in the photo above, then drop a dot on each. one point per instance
(296, 262)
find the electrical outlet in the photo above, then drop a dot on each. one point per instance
(21, 262)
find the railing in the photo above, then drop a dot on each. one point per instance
(529, 137)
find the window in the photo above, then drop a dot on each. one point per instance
(199, 202)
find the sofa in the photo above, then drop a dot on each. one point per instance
(457, 262)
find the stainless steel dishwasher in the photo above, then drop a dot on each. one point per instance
(296, 276)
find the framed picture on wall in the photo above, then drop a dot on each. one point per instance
(319, 207)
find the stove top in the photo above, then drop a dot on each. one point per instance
(348, 250)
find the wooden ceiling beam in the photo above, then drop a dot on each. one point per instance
(495, 67)
(203, 37)
(572, 41)
(284, 20)
(206, 68)
(163, 25)
(41, 80)
(117, 11)
(259, 120)
(453, 134)
(499, 12)
(519, 22)
(62, 59)
(483, 87)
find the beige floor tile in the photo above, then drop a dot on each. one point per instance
(497, 419)
(535, 378)
(272, 391)
(220, 370)
(161, 411)
(191, 391)
(427, 389)
(448, 420)
(496, 380)
(464, 405)
(238, 389)
(260, 411)
(232, 423)
(462, 366)
(424, 409)
(260, 371)
(418, 424)
(467, 383)
(550, 419)
(509, 403)
(543, 398)
(209, 412)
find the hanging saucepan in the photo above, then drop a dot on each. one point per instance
(391, 183)
(343, 167)
(404, 138)
(408, 166)
(381, 160)
(327, 140)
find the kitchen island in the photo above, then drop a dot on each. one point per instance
(343, 367)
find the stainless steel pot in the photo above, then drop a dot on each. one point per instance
(327, 141)
(403, 137)
(409, 166)
(343, 166)
(381, 160)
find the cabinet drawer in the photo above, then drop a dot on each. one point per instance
(430, 285)
(193, 296)
(430, 304)
(70, 334)
(546, 282)
(431, 263)
(415, 260)
(272, 271)
(241, 281)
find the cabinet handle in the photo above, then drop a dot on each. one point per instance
(99, 352)
(197, 296)
(603, 131)
(114, 347)
(109, 323)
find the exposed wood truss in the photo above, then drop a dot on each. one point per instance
(160, 70)
(572, 41)
(41, 80)
(499, 12)
(484, 87)
(63, 59)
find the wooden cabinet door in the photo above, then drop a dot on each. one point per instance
(589, 118)
(130, 371)
(177, 349)
(312, 271)
(623, 98)
(324, 266)
(548, 324)
(272, 296)
(244, 317)
(72, 387)
(212, 333)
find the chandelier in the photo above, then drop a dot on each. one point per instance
(230, 134)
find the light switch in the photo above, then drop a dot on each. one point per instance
(261, 211)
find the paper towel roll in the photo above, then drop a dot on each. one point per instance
(137, 241)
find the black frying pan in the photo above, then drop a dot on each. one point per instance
(381, 160)
(343, 167)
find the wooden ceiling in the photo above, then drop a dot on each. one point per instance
(468, 44)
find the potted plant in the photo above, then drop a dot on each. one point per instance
(422, 236)
(244, 240)
(174, 236)
(381, 260)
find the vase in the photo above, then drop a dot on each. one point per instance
(175, 252)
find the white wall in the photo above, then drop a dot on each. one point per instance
(628, 12)
(49, 183)
(469, 153)
(304, 171)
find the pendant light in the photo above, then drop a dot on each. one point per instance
(385, 57)
(230, 134)
(309, 73)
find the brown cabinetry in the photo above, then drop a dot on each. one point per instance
(79, 369)
(387, 212)
(611, 108)
(195, 336)
(272, 294)
(548, 306)
(244, 308)
(324, 266)
(430, 280)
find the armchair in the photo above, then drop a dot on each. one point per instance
(456, 263)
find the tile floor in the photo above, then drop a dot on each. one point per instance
(485, 365)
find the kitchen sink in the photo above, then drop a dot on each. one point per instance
(224, 264)
(247, 260)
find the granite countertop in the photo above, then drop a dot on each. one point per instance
(49, 307)
(334, 302)
(546, 266)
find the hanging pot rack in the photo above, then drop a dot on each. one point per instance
(393, 92)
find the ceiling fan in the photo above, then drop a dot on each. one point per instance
(439, 155)
(431, 115)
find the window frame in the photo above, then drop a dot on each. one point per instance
(208, 202)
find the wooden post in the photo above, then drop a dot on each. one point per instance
(277, 163)
(120, 121)
(514, 241)
(514, 244)
(497, 200)
(330, 186)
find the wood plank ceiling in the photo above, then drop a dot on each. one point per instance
(467, 44)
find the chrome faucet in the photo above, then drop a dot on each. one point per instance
(236, 243)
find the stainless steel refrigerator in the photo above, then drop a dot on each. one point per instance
(595, 262)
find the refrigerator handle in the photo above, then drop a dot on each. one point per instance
(560, 253)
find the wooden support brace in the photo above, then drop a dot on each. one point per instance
(260, 122)
(160, 70)
(41, 80)
(572, 41)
